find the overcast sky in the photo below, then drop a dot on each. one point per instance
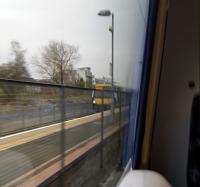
(34, 22)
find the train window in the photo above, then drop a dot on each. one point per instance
(69, 72)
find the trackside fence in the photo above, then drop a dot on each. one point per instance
(42, 124)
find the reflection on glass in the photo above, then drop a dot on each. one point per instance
(65, 45)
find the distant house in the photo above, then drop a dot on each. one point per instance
(81, 77)
(104, 80)
(85, 75)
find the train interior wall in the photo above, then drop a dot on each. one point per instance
(180, 65)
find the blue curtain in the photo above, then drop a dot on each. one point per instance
(133, 132)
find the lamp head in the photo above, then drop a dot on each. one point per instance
(104, 13)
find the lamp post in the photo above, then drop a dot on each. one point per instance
(107, 13)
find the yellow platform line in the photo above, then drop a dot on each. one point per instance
(11, 141)
(39, 174)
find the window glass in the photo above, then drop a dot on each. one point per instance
(77, 64)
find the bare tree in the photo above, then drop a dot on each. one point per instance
(57, 60)
(17, 52)
(14, 69)
(18, 62)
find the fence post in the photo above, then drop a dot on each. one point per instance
(129, 105)
(113, 107)
(120, 110)
(23, 118)
(40, 111)
(120, 130)
(102, 127)
(62, 136)
(54, 115)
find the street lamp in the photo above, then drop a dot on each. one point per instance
(111, 29)
(107, 13)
